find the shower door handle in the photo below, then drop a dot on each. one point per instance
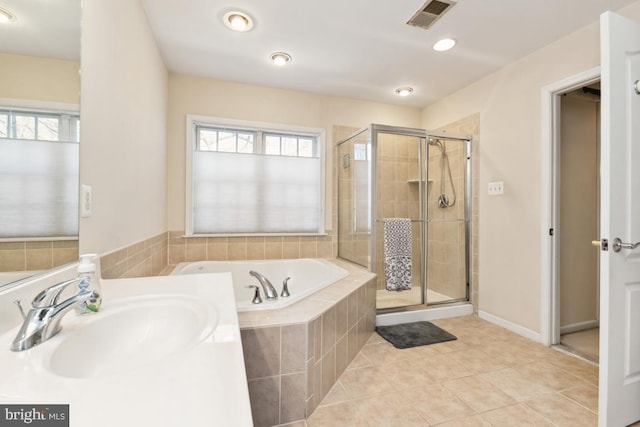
(619, 244)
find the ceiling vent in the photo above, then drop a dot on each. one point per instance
(430, 12)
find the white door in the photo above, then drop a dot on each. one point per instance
(619, 403)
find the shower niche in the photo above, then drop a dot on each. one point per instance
(422, 179)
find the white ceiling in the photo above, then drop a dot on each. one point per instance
(48, 28)
(361, 48)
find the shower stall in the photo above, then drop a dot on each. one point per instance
(404, 213)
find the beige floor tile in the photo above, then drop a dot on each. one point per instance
(364, 382)
(549, 375)
(489, 376)
(296, 424)
(562, 412)
(515, 384)
(360, 361)
(375, 338)
(442, 367)
(437, 404)
(479, 394)
(379, 353)
(473, 421)
(406, 374)
(389, 410)
(338, 415)
(585, 395)
(337, 394)
(507, 354)
(586, 342)
(476, 361)
(575, 366)
(449, 346)
(515, 416)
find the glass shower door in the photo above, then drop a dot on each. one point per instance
(399, 194)
(447, 213)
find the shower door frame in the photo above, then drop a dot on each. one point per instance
(423, 175)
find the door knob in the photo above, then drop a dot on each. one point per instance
(619, 244)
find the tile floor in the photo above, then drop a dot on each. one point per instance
(487, 377)
(585, 343)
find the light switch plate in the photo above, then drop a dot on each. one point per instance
(85, 201)
(496, 188)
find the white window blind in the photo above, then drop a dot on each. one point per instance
(38, 188)
(255, 181)
(39, 157)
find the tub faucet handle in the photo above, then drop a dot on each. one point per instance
(285, 288)
(257, 299)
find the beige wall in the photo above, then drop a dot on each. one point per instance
(123, 133)
(39, 79)
(578, 211)
(509, 105)
(215, 98)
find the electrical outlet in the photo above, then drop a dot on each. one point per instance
(496, 188)
(85, 201)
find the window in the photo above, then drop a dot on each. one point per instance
(39, 126)
(246, 178)
(39, 157)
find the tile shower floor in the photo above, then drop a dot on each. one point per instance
(389, 299)
(487, 377)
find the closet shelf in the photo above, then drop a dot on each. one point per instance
(415, 181)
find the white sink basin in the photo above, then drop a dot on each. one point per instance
(162, 351)
(131, 334)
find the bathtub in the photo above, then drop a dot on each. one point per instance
(307, 277)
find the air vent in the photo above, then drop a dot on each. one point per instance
(430, 12)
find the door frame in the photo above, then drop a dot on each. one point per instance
(549, 200)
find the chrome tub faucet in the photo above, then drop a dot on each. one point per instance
(43, 319)
(268, 288)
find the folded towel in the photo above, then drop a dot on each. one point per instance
(397, 253)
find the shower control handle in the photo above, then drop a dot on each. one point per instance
(619, 244)
(257, 299)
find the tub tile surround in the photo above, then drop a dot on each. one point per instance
(293, 356)
(145, 258)
(187, 249)
(37, 255)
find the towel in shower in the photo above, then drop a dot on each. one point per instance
(397, 254)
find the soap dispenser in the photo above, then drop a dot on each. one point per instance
(90, 280)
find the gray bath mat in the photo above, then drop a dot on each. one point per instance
(407, 335)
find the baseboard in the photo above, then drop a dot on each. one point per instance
(513, 327)
(577, 327)
(427, 314)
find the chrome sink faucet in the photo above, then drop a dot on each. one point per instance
(268, 288)
(43, 319)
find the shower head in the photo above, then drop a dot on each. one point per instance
(436, 143)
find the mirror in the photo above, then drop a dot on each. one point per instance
(39, 135)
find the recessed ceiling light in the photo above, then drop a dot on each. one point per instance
(6, 16)
(404, 91)
(444, 44)
(280, 58)
(238, 21)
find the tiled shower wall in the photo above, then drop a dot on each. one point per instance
(470, 126)
(397, 194)
(353, 210)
